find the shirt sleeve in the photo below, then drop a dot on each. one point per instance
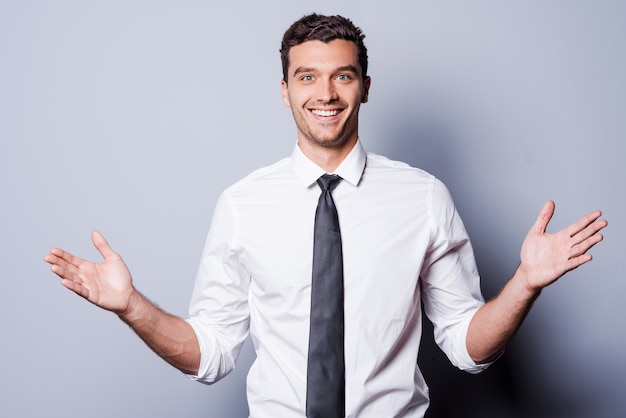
(218, 311)
(450, 281)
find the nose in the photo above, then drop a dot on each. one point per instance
(326, 91)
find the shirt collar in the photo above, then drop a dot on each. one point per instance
(350, 169)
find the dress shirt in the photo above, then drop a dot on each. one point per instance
(404, 244)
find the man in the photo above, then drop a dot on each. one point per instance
(402, 244)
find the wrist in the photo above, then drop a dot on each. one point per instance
(133, 309)
(523, 283)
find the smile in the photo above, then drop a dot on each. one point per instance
(325, 113)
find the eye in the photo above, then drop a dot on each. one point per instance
(344, 77)
(307, 78)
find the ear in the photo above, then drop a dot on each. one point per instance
(366, 89)
(285, 93)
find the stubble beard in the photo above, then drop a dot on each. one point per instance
(345, 134)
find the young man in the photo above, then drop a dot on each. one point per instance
(402, 244)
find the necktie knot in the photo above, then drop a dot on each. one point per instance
(328, 182)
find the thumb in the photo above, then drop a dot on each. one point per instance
(544, 217)
(103, 246)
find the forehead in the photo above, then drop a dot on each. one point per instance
(321, 55)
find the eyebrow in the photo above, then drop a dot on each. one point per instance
(344, 68)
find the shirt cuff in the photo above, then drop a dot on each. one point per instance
(204, 363)
(465, 361)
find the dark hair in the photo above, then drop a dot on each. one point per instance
(316, 27)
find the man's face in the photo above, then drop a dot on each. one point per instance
(324, 91)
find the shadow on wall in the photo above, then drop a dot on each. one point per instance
(427, 142)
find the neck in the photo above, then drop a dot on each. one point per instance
(328, 158)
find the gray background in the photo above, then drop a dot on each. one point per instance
(131, 117)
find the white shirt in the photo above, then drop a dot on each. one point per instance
(403, 244)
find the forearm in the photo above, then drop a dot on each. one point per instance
(169, 336)
(496, 322)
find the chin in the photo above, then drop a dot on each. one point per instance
(332, 142)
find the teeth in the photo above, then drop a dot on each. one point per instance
(325, 112)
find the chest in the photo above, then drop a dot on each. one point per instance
(384, 239)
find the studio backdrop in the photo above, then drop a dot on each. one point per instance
(131, 117)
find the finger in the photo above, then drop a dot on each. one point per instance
(103, 246)
(57, 264)
(576, 262)
(61, 267)
(544, 217)
(590, 231)
(67, 272)
(77, 288)
(583, 223)
(65, 258)
(584, 246)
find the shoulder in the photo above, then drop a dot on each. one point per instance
(404, 177)
(382, 166)
(269, 175)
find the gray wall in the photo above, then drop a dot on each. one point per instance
(131, 117)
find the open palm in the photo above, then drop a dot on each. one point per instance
(107, 284)
(545, 257)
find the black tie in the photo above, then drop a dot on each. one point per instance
(325, 397)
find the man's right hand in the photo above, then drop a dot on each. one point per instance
(107, 284)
